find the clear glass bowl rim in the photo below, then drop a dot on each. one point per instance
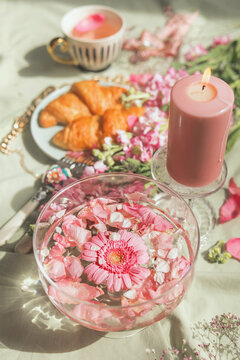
(164, 188)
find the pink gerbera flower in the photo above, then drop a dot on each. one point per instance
(115, 258)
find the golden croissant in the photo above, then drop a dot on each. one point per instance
(81, 134)
(89, 132)
(98, 98)
(116, 119)
(63, 110)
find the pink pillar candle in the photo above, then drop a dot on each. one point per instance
(199, 120)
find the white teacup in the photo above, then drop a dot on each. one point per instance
(94, 54)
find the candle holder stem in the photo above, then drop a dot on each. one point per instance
(195, 196)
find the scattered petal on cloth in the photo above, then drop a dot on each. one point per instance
(231, 208)
(165, 43)
(233, 247)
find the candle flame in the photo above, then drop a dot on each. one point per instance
(206, 75)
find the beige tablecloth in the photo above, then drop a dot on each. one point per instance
(30, 327)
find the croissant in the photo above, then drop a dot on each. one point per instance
(96, 97)
(81, 134)
(116, 119)
(63, 110)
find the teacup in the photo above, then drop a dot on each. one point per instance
(91, 54)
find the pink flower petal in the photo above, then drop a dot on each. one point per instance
(127, 281)
(73, 266)
(233, 188)
(56, 251)
(179, 267)
(100, 275)
(90, 23)
(88, 171)
(74, 289)
(100, 167)
(162, 241)
(110, 282)
(131, 121)
(90, 270)
(56, 269)
(230, 210)
(117, 282)
(233, 247)
(63, 240)
(91, 314)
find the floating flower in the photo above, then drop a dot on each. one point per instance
(116, 261)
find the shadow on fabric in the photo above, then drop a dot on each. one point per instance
(28, 320)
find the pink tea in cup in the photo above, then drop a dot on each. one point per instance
(95, 26)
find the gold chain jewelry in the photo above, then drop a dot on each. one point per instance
(21, 122)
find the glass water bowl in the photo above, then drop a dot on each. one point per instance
(116, 252)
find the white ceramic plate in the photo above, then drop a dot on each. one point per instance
(42, 136)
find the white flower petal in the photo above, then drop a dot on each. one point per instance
(161, 253)
(115, 236)
(130, 294)
(159, 277)
(162, 266)
(116, 217)
(126, 223)
(173, 253)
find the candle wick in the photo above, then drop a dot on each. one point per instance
(203, 87)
